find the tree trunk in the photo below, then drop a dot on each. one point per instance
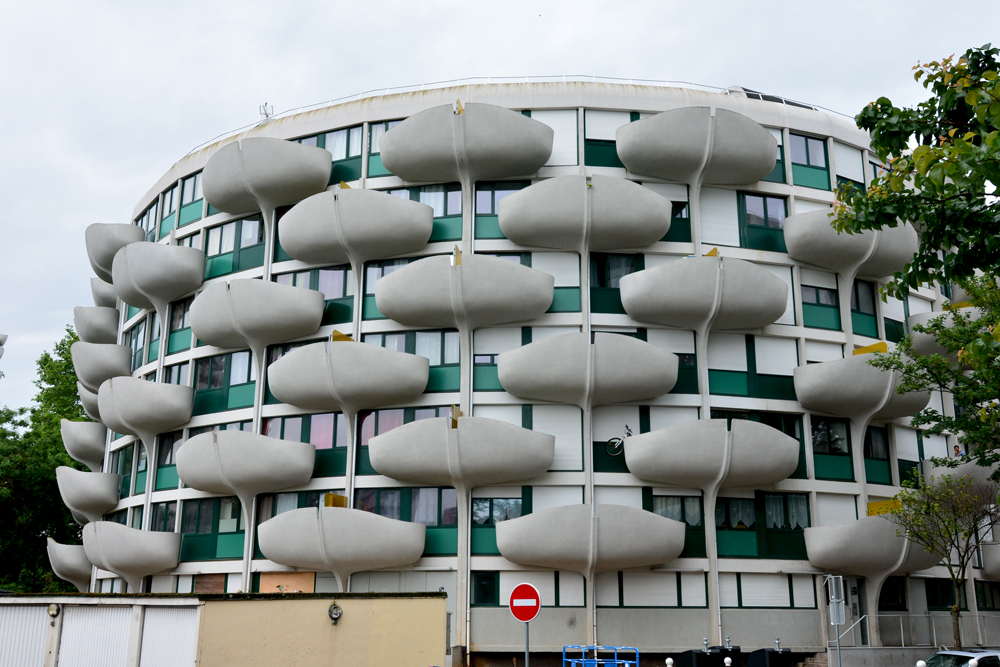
(955, 627)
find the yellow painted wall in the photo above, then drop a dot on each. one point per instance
(291, 632)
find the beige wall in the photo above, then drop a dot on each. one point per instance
(381, 631)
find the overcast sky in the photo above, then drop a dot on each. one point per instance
(98, 99)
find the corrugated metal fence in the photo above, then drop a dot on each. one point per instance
(23, 631)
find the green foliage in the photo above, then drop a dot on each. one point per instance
(30, 451)
(942, 155)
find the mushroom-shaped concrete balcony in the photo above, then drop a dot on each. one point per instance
(104, 293)
(688, 145)
(347, 376)
(151, 275)
(480, 291)
(255, 314)
(569, 369)
(354, 226)
(103, 243)
(476, 453)
(96, 362)
(131, 554)
(96, 324)
(570, 538)
(69, 562)
(88, 399)
(244, 464)
(851, 387)
(263, 173)
(340, 540)
(702, 453)
(579, 212)
(705, 293)
(84, 442)
(926, 343)
(137, 407)
(477, 142)
(89, 494)
(810, 238)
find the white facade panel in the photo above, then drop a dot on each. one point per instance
(169, 637)
(784, 273)
(162, 583)
(720, 218)
(918, 305)
(564, 141)
(727, 352)
(541, 333)
(496, 341)
(662, 417)
(652, 261)
(893, 309)
(545, 497)
(835, 508)
(233, 583)
(610, 421)
(94, 635)
(543, 581)
(850, 162)
(572, 589)
(606, 589)
(563, 266)
(729, 595)
(803, 590)
(776, 356)
(23, 629)
(935, 446)
(815, 278)
(503, 413)
(185, 583)
(907, 443)
(678, 341)
(649, 589)
(936, 402)
(820, 351)
(764, 590)
(693, 592)
(565, 423)
(806, 205)
(671, 191)
(777, 133)
(604, 124)
(326, 582)
(629, 496)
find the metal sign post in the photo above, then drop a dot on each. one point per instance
(838, 607)
(525, 603)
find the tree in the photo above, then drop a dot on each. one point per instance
(947, 515)
(944, 161)
(30, 450)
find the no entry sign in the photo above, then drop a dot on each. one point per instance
(525, 602)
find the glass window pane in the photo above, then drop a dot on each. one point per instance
(692, 511)
(321, 430)
(366, 500)
(272, 427)
(239, 372)
(775, 212)
(865, 299)
(302, 279)
(424, 508)
(377, 129)
(449, 507)
(205, 508)
(501, 192)
(366, 427)
(389, 503)
(395, 342)
(720, 513)
(187, 191)
(481, 511)
(331, 283)
(293, 429)
(214, 241)
(372, 273)
(618, 267)
(506, 508)
(336, 143)
(308, 141)
(809, 294)
(838, 437)
(204, 373)
(454, 203)
(429, 346)
(669, 507)
(774, 510)
(343, 437)
(451, 347)
(137, 517)
(228, 238)
(189, 519)
(251, 232)
(798, 510)
(799, 155)
(284, 278)
(424, 413)
(827, 297)
(229, 512)
(817, 153)
(484, 202)
(755, 210)
(354, 145)
(285, 502)
(433, 196)
(402, 193)
(876, 444)
(388, 420)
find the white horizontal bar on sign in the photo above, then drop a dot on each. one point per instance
(521, 602)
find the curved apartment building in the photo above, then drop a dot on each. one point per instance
(599, 338)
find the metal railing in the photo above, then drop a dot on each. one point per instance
(909, 630)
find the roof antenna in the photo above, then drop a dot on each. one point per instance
(266, 111)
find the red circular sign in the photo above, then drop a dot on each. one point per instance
(525, 602)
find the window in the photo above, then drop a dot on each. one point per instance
(485, 589)
(377, 422)
(686, 509)
(135, 339)
(599, 146)
(137, 517)
(606, 272)
(941, 595)
(177, 374)
(832, 449)
(327, 431)
(491, 511)
(440, 348)
(987, 595)
(148, 221)
(164, 517)
(376, 270)
(863, 309)
(191, 241)
(434, 507)
(345, 147)
(165, 450)
(121, 516)
(375, 132)
(877, 443)
(121, 463)
(762, 219)
(169, 203)
(735, 514)
(819, 295)
(224, 382)
(191, 189)
(179, 338)
(488, 196)
(270, 506)
(234, 246)
(446, 200)
(893, 595)
(231, 426)
(809, 162)
(786, 511)
(337, 285)
(197, 518)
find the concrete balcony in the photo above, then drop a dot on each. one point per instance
(354, 226)
(570, 538)
(569, 369)
(347, 376)
(88, 399)
(705, 292)
(702, 454)
(482, 291)
(478, 452)
(868, 547)
(131, 554)
(852, 388)
(255, 314)
(136, 407)
(687, 145)
(480, 142)
(340, 540)
(103, 243)
(262, 173)
(926, 344)
(151, 275)
(810, 238)
(104, 293)
(88, 494)
(243, 464)
(69, 562)
(96, 324)
(96, 362)
(576, 213)
(84, 442)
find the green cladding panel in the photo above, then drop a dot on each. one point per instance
(443, 378)
(728, 383)
(817, 316)
(565, 300)
(190, 213)
(606, 300)
(834, 467)
(447, 229)
(484, 541)
(679, 232)
(601, 153)
(878, 472)
(864, 324)
(488, 227)
(166, 478)
(441, 541)
(486, 378)
(737, 543)
(330, 462)
(179, 340)
(346, 170)
(339, 311)
(375, 168)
